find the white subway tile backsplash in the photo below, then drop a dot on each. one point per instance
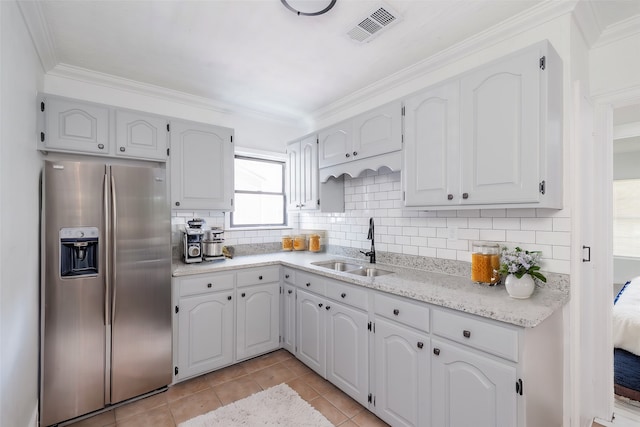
(493, 213)
(561, 224)
(560, 238)
(481, 223)
(426, 251)
(506, 223)
(537, 224)
(446, 254)
(493, 235)
(410, 250)
(521, 236)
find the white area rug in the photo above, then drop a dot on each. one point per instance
(276, 406)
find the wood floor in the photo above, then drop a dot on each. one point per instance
(211, 391)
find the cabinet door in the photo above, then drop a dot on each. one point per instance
(76, 126)
(309, 173)
(258, 319)
(500, 131)
(468, 389)
(402, 375)
(205, 333)
(348, 350)
(292, 181)
(201, 166)
(431, 152)
(289, 323)
(334, 146)
(141, 136)
(311, 331)
(378, 131)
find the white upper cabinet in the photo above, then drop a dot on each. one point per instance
(370, 134)
(302, 174)
(141, 136)
(201, 166)
(490, 138)
(74, 126)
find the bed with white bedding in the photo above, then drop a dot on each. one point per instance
(626, 340)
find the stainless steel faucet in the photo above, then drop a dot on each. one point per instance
(371, 236)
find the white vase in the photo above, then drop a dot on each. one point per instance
(521, 288)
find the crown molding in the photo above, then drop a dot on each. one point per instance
(38, 28)
(623, 29)
(530, 18)
(110, 81)
(588, 22)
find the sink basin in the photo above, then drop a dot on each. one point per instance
(369, 272)
(337, 265)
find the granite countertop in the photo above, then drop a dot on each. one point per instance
(458, 293)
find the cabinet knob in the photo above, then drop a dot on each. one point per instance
(177, 203)
(328, 307)
(465, 195)
(466, 334)
(396, 311)
(347, 155)
(302, 205)
(449, 196)
(122, 149)
(355, 153)
(209, 285)
(308, 284)
(343, 295)
(420, 345)
(101, 146)
(259, 277)
(286, 276)
(243, 295)
(290, 291)
(298, 205)
(320, 305)
(436, 351)
(229, 298)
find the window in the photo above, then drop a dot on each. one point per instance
(259, 194)
(626, 218)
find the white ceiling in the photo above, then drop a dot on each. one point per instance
(257, 54)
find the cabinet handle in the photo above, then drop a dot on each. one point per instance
(308, 284)
(466, 334)
(396, 311)
(177, 203)
(302, 205)
(209, 285)
(320, 305)
(465, 195)
(347, 155)
(101, 146)
(122, 149)
(242, 295)
(229, 298)
(290, 291)
(449, 196)
(259, 277)
(436, 351)
(328, 307)
(286, 276)
(420, 345)
(355, 153)
(343, 295)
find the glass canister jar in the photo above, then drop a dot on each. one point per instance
(485, 262)
(314, 243)
(300, 242)
(287, 243)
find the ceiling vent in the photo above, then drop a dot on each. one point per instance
(377, 21)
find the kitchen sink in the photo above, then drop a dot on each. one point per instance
(369, 272)
(350, 268)
(337, 265)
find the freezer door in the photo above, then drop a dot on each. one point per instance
(73, 331)
(141, 321)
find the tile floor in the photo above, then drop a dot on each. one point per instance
(208, 392)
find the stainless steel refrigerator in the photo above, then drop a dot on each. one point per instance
(105, 286)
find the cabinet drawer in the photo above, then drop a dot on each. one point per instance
(488, 337)
(403, 311)
(289, 275)
(256, 276)
(350, 295)
(311, 282)
(201, 284)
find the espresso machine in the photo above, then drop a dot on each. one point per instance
(192, 237)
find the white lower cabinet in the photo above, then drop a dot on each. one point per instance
(289, 318)
(470, 389)
(311, 331)
(258, 319)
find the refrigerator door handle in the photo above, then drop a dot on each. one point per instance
(114, 225)
(107, 238)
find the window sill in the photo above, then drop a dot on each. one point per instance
(258, 228)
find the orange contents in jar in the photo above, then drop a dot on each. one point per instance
(300, 242)
(484, 268)
(314, 243)
(287, 243)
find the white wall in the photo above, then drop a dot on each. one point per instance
(615, 66)
(21, 77)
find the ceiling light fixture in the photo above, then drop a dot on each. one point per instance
(309, 7)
